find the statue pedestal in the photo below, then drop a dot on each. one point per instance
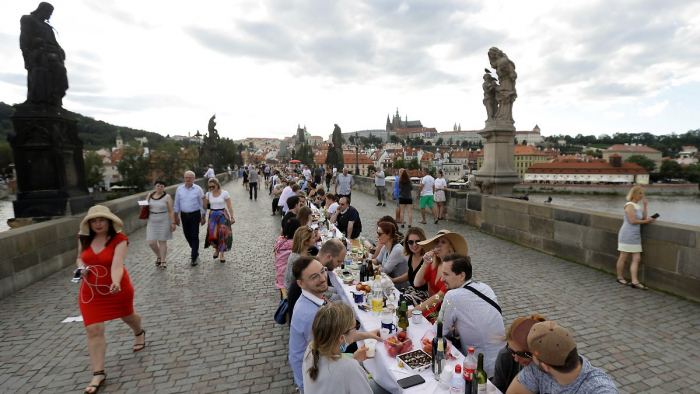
(49, 163)
(497, 175)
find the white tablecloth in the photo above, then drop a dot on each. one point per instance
(384, 368)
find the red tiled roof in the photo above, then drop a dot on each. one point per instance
(458, 131)
(632, 148)
(597, 167)
(350, 159)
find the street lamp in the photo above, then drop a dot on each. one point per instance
(199, 150)
(357, 154)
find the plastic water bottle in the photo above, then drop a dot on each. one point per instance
(457, 383)
(377, 296)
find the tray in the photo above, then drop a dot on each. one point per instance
(409, 362)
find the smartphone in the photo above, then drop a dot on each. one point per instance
(410, 381)
(76, 277)
(656, 215)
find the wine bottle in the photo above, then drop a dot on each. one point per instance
(479, 377)
(403, 317)
(439, 354)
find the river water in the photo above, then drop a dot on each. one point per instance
(676, 209)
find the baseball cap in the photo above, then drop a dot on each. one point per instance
(550, 342)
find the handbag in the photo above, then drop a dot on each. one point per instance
(145, 210)
(281, 313)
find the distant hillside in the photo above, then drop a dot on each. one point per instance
(95, 134)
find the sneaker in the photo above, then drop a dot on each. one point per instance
(193, 262)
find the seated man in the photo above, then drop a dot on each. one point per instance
(347, 219)
(478, 322)
(331, 255)
(311, 276)
(294, 203)
(557, 367)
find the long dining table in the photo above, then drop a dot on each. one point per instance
(385, 369)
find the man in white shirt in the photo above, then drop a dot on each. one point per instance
(307, 173)
(210, 172)
(426, 191)
(286, 193)
(343, 184)
(478, 321)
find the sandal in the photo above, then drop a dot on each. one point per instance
(164, 265)
(622, 281)
(96, 386)
(423, 222)
(638, 286)
(222, 261)
(136, 347)
(216, 256)
(436, 221)
(158, 263)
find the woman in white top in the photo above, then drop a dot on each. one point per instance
(390, 257)
(324, 367)
(331, 204)
(440, 187)
(161, 223)
(219, 234)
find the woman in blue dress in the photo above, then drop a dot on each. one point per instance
(629, 241)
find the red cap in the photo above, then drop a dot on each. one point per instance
(471, 350)
(458, 369)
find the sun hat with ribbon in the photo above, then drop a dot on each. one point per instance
(458, 242)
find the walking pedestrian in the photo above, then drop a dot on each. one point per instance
(106, 292)
(161, 223)
(246, 175)
(253, 178)
(426, 192)
(210, 172)
(343, 184)
(440, 198)
(219, 234)
(405, 199)
(630, 236)
(188, 204)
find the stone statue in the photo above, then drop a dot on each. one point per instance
(335, 150)
(490, 102)
(505, 89)
(43, 58)
(212, 128)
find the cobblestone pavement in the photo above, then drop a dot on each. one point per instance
(210, 327)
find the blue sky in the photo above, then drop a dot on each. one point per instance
(263, 66)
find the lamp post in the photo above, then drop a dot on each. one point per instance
(357, 154)
(199, 150)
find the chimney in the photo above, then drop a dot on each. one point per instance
(616, 161)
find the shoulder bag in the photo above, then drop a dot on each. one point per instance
(145, 210)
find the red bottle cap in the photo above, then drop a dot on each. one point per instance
(458, 369)
(471, 350)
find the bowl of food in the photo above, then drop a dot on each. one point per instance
(398, 344)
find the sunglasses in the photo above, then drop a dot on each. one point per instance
(411, 242)
(519, 354)
(212, 187)
(380, 234)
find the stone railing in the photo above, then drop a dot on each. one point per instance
(34, 252)
(671, 258)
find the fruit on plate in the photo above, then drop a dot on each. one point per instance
(428, 348)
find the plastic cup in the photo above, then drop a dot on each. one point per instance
(384, 333)
(371, 346)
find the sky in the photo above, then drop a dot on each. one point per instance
(265, 66)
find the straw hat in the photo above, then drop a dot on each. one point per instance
(457, 241)
(100, 211)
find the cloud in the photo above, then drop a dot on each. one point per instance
(13, 78)
(113, 10)
(128, 104)
(653, 110)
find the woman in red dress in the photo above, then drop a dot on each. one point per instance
(436, 248)
(106, 292)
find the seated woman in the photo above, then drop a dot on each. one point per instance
(436, 248)
(516, 355)
(414, 255)
(331, 204)
(324, 367)
(304, 216)
(282, 250)
(390, 258)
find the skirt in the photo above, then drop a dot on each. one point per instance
(405, 201)
(219, 233)
(440, 196)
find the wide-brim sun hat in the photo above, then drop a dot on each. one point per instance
(100, 211)
(458, 242)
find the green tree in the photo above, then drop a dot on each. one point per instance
(371, 168)
(691, 173)
(5, 158)
(394, 139)
(671, 170)
(399, 163)
(414, 164)
(169, 163)
(439, 141)
(135, 167)
(648, 164)
(94, 169)
(305, 155)
(465, 144)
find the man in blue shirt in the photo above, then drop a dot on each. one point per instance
(188, 203)
(312, 277)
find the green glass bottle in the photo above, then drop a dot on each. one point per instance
(403, 317)
(479, 378)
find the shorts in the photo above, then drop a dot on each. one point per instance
(406, 200)
(426, 200)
